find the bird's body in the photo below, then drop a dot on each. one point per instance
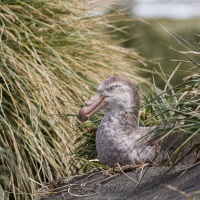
(114, 147)
(119, 139)
(119, 146)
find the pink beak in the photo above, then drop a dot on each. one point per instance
(92, 106)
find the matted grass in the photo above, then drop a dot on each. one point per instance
(51, 54)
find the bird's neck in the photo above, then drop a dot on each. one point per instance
(125, 121)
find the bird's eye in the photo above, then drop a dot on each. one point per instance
(112, 87)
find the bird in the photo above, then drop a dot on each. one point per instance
(119, 138)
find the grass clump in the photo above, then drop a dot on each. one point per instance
(51, 53)
(177, 106)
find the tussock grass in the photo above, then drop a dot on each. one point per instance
(178, 113)
(52, 53)
(179, 106)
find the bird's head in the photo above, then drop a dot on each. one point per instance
(114, 94)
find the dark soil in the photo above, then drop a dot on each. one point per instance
(175, 185)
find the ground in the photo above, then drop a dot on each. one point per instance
(178, 184)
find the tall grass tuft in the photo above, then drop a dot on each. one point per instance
(52, 53)
(175, 110)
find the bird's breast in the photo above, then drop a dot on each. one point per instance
(116, 146)
(112, 146)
